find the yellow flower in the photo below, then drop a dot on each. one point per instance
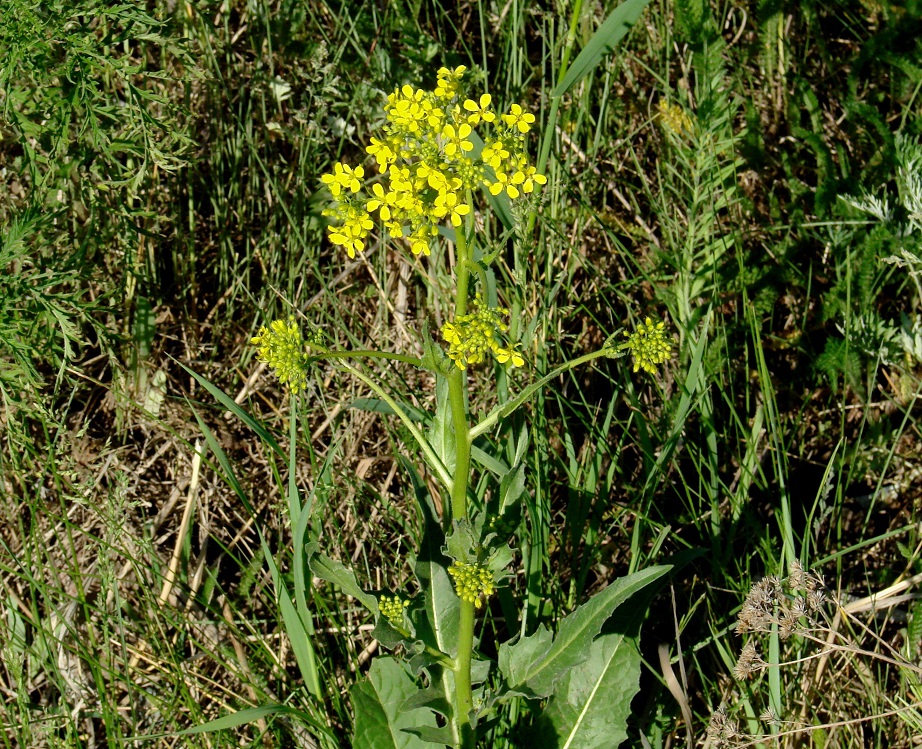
(448, 82)
(383, 152)
(510, 355)
(455, 139)
(494, 153)
(507, 183)
(479, 110)
(519, 119)
(532, 178)
(448, 204)
(674, 119)
(471, 336)
(383, 202)
(351, 234)
(343, 177)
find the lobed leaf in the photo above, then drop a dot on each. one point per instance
(533, 665)
(380, 721)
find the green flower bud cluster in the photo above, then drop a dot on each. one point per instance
(428, 166)
(391, 608)
(471, 336)
(282, 348)
(471, 581)
(649, 345)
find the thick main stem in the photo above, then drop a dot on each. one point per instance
(457, 390)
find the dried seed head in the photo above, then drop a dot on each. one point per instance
(749, 661)
(789, 623)
(797, 577)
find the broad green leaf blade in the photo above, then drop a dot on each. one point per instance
(379, 720)
(515, 661)
(437, 623)
(602, 43)
(535, 672)
(225, 400)
(591, 704)
(441, 430)
(340, 575)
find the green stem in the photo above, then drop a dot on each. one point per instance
(456, 393)
(457, 390)
(465, 699)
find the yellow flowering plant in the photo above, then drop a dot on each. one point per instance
(440, 158)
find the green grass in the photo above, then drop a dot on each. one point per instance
(161, 169)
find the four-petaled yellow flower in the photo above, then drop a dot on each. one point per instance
(455, 139)
(342, 177)
(479, 110)
(508, 183)
(448, 204)
(518, 118)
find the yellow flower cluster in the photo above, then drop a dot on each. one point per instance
(649, 345)
(391, 608)
(675, 119)
(471, 336)
(471, 581)
(282, 348)
(429, 166)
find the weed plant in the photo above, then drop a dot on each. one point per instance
(161, 168)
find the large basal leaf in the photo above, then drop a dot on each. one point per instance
(602, 43)
(591, 704)
(533, 665)
(379, 718)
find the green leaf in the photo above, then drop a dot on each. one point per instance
(241, 717)
(340, 575)
(225, 400)
(379, 719)
(602, 43)
(488, 461)
(533, 665)
(441, 431)
(591, 704)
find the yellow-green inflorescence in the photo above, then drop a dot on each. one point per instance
(649, 345)
(428, 167)
(675, 119)
(471, 336)
(471, 582)
(281, 346)
(391, 608)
